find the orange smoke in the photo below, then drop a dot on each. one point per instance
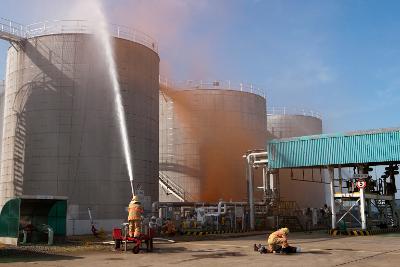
(222, 137)
(175, 25)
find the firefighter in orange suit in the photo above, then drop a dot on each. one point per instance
(278, 239)
(135, 212)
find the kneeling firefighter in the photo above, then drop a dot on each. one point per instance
(277, 243)
(135, 212)
(278, 239)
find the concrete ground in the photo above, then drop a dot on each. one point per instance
(318, 250)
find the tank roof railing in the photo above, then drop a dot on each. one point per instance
(75, 26)
(58, 26)
(217, 84)
(293, 111)
(84, 26)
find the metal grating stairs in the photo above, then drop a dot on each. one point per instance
(176, 190)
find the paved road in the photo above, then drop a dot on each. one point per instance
(318, 250)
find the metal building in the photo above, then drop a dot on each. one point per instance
(61, 133)
(338, 150)
(205, 128)
(301, 185)
(359, 150)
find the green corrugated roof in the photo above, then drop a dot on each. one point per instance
(372, 147)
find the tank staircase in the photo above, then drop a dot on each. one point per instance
(12, 31)
(386, 211)
(19, 152)
(172, 188)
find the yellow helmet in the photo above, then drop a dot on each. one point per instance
(135, 199)
(285, 230)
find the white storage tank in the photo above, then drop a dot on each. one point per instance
(61, 133)
(205, 128)
(301, 185)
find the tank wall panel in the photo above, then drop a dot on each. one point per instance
(1, 112)
(203, 135)
(286, 126)
(305, 193)
(61, 123)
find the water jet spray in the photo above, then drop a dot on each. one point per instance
(102, 32)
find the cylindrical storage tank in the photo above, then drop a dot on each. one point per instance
(205, 129)
(1, 112)
(301, 185)
(62, 133)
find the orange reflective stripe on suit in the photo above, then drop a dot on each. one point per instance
(134, 212)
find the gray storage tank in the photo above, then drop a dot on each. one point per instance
(286, 123)
(1, 112)
(61, 133)
(205, 128)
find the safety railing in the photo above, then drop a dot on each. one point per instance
(14, 29)
(164, 179)
(131, 34)
(84, 26)
(56, 27)
(292, 111)
(217, 84)
(177, 189)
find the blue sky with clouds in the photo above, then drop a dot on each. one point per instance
(340, 58)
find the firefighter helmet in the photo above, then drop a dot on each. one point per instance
(135, 199)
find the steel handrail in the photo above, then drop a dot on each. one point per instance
(84, 26)
(12, 27)
(216, 84)
(173, 185)
(293, 111)
(74, 26)
(180, 191)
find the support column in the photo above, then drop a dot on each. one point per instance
(340, 179)
(273, 185)
(332, 186)
(271, 182)
(362, 209)
(250, 192)
(265, 183)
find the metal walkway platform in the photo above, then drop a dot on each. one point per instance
(12, 31)
(356, 195)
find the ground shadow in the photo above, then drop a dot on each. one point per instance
(216, 255)
(315, 252)
(114, 259)
(12, 255)
(303, 252)
(340, 249)
(169, 250)
(158, 250)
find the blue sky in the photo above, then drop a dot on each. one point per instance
(340, 58)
